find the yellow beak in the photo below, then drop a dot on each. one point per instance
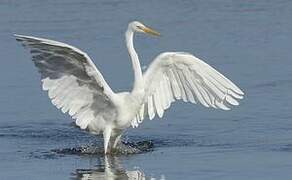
(150, 31)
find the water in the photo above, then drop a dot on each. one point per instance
(248, 41)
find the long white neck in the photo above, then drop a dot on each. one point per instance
(138, 83)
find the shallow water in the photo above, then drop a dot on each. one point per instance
(248, 41)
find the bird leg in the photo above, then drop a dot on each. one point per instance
(106, 138)
(117, 140)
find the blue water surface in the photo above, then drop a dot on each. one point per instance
(248, 41)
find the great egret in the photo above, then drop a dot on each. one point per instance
(75, 85)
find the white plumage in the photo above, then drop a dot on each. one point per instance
(178, 75)
(76, 86)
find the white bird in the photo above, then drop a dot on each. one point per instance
(76, 86)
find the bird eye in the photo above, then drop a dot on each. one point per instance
(139, 27)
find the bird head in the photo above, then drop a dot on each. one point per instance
(136, 26)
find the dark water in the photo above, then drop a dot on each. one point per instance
(249, 41)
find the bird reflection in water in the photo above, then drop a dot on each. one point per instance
(111, 169)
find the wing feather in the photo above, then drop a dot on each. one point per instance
(151, 112)
(73, 82)
(177, 75)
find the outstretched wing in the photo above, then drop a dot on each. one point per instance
(73, 82)
(177, 75)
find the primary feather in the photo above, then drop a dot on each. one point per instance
(178, 75)
(73, 82)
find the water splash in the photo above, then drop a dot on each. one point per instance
(123, 148)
